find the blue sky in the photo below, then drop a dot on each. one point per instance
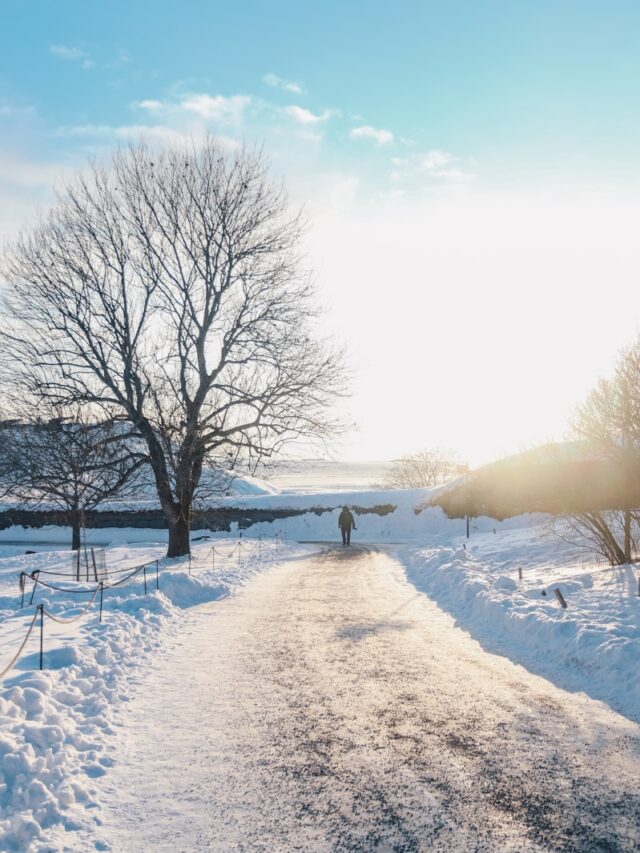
(523, 90)
(470, 168)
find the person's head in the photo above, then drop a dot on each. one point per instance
(345, 509)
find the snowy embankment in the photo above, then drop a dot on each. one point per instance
(385, 515)
(55, 723)
(388, 515)
(593, 646)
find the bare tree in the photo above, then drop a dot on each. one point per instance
(425, 469)
(168, 288)
(605, 533)
(70, 464)
(608, 425)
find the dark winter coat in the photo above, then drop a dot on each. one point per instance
(346, 520)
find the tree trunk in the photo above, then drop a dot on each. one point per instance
(76, 526)
(179, 535)
(627, 536)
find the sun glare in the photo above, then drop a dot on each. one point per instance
(475, 322)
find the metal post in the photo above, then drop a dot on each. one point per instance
(34, 578)
(95, 570)
(189, 562)
(41, 607)
(519, 572)
(144, 574)
(157, 576)
(239, 551)
(101, 594)
(23, 582)
(78, 564)
(86, 555)
(467, 526)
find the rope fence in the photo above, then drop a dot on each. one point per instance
(14, 659)
(70, 577)
(61, 621)
(248, 547)
(34, 576)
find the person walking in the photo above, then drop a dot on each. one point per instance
(346, 523)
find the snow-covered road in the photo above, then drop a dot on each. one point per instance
(328, 706)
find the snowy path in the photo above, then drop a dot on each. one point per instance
(328, 706)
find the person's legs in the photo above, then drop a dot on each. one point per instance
(344, 535)
(348, 536)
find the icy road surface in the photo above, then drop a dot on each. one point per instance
(329, 707)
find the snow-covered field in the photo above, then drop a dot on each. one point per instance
(320, 476)
(56, 723)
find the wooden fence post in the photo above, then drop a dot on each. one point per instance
(560, 598)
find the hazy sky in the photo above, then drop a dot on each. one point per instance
(471, 171)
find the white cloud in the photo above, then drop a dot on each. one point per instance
(71, 54)
(442, 164)
(436, 160)
(26, 186)
(179, 117)
(433, 164)
(159, 134)
(209, 108)
(121, 59)
(378, 135)
(218, 107)
(7, 110)
(280, 83)
(149, 105)
(19, 172)
(303, 116)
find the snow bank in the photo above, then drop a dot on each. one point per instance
(592, 646)
(381, 516)
(55, 724)
(387, 516)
